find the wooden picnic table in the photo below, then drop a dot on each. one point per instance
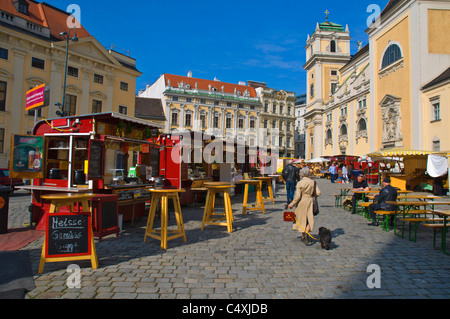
(408, 209)
(445, 214)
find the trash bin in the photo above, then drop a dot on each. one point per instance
(4, 208)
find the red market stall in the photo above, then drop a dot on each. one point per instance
(107, 154)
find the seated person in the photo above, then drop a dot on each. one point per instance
(387, 193)
(360, 184)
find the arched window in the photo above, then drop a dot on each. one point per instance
(362, 125)
(343, 130)
(333, 46)
(329, 134)
(392, 54)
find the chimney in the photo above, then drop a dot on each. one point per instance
(189, 74)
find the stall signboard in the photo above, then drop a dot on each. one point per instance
(68, 235)
(37, 97)
(26, 156)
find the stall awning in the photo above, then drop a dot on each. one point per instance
(399, 152)
(129, 140)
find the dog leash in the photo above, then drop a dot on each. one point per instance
(295, 218)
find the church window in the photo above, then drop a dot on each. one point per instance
(344, 130)
(333, 46)
(329, 134)
(362, 125)
(393, 54)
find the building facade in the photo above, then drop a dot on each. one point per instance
(277, 118)
(392, 93)
(227, 110)
(211, 106)
(32, 52)
(300, 126)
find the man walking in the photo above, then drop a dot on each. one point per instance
(333, 172)
(291, 177)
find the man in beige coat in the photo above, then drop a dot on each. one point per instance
(303, 199)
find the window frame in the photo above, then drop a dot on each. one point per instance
(387, 51)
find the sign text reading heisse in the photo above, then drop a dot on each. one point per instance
(35, 97)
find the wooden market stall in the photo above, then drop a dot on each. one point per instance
(109, 155)
(413, 168)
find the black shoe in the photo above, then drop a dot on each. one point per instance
(353, 213)
(373, 224)
(306, 241)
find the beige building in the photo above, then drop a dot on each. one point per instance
(249, 112)
(277, 117)
(394, 92)
(32, 52)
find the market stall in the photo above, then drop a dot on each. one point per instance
(408, 174)
(103, 154)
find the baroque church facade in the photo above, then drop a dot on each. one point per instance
(393, 93)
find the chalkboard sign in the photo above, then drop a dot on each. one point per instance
(68, 234)
(109, 214)
(95, 167)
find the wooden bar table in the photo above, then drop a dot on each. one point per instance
(274, 177)
(68, 200)
(259, 205)
(209, 216)
(268, 181)
(164, 195)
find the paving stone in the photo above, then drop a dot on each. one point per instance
(263, 258)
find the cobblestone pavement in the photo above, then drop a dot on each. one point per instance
(262, 259)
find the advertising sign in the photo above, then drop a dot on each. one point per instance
(26, 156)
(37, 97)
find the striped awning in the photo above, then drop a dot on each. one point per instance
(399, 152)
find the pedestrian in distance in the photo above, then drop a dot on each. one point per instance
(333, 172)
(344, 174)
(291, 176)
(303, 201)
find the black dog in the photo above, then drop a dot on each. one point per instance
(325, 238)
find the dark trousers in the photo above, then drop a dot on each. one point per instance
(355, 197)
(373, 216)
(372, 209)
(290, 189)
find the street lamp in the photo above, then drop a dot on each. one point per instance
(63, 113)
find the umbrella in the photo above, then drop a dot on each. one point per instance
(317, 160)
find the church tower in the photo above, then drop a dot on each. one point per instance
(327, 50)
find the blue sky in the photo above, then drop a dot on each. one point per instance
(231, 40)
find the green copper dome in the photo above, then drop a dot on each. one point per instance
(330, 26)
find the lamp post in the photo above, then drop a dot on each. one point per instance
(63, 113)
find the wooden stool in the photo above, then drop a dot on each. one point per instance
(209, 215)
(259, 205)
(268, 181)
(164, 195)
(68, 199)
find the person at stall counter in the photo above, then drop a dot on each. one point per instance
(387, 193)
(360, 184)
